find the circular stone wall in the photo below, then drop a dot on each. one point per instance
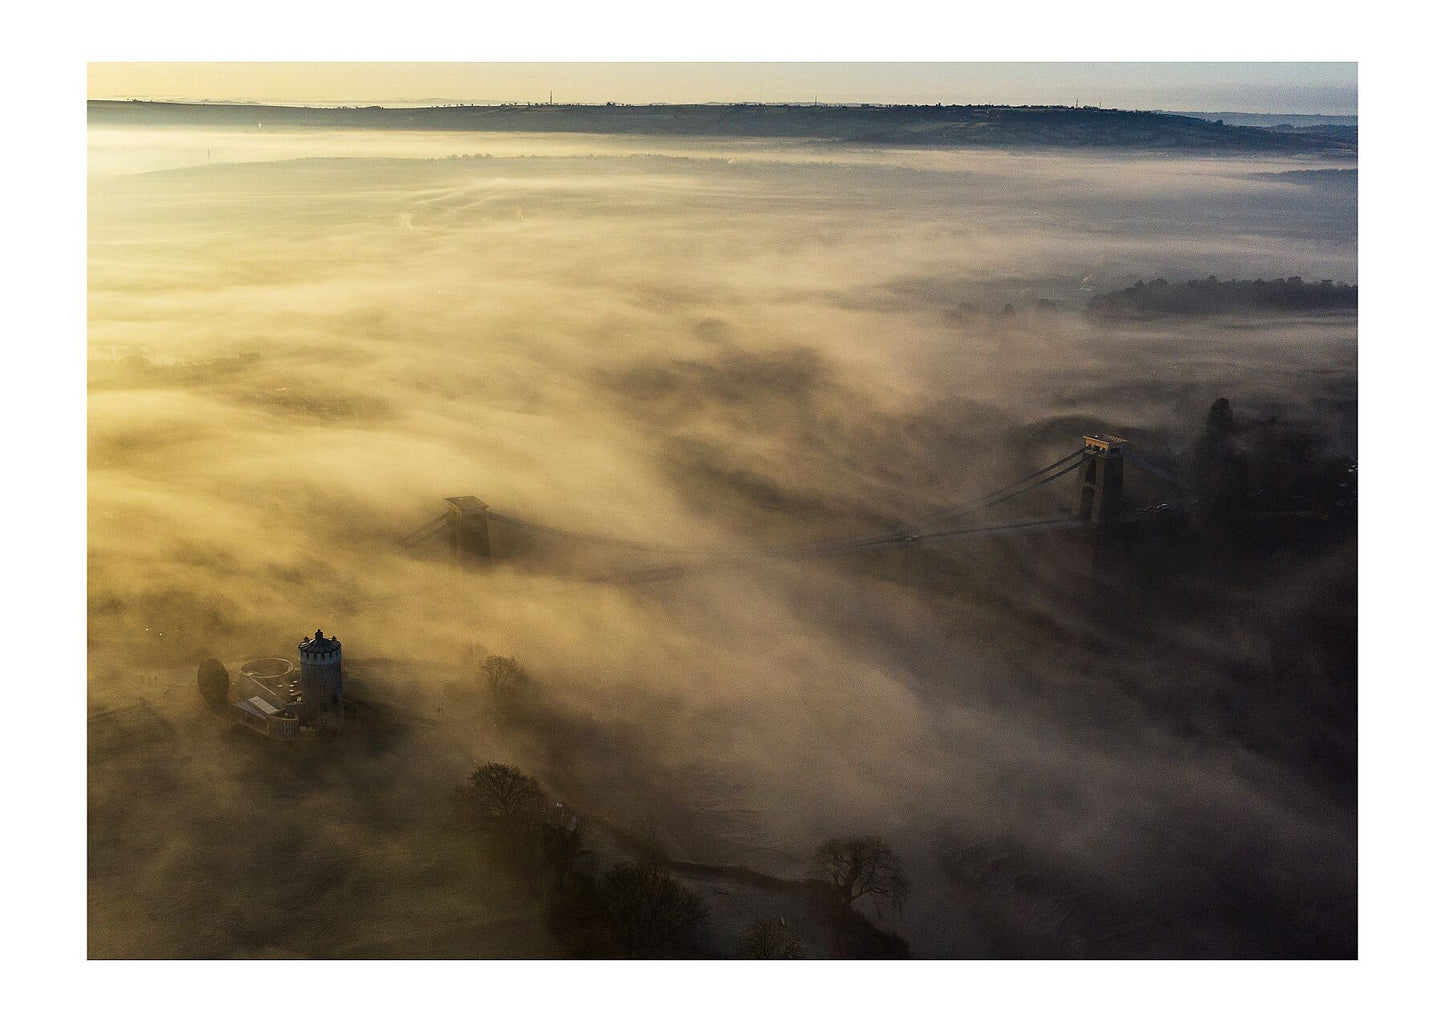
(268, 671)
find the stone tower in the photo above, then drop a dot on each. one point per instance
(320, 681)
(1101, 478)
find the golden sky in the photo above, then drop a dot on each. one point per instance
(1247, 87)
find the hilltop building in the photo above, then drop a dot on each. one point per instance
(320, 680)
(268, 694)
(280, 701)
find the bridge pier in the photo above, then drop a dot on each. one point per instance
(467, 526)
(1101, 479)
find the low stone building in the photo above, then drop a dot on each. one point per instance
(260, 715)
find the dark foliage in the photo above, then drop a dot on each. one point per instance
(770, 938)
(935, 125)
(1267, 467)
(1218, 297)
(649, 913)
(214, 683)
(577, 916)
(499, 793)
(855, 937)
(556, 835)
(539, 839)
(1221, 468)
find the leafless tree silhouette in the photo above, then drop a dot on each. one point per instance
(650, 912)
(501, 792)
(770, 938)
(857, 866)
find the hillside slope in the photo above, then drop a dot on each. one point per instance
(1004, 126)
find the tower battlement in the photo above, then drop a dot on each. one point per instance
(320, 680)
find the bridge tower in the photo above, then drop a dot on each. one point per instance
(467, 518)
(1101, 478)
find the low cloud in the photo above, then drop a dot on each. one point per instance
(692, 352)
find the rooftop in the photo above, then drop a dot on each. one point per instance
(262, 705)
(257, 707)
(467, 506)
(318, 644)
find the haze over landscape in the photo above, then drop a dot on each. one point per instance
(688, 334)
(1249, 86)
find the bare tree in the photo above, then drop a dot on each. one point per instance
(505, 680)
(857, 866)
(648, 911)
(501, 792)
(770, 938)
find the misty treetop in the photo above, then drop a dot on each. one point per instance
(731, 346)
(500, 792)
(214, 683)
(651, 913)
(1212, 296)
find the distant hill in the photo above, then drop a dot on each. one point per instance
(932, 126)
(1223, 297)
(1273, 120)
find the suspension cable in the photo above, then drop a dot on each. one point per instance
(1134, 459)
(428, 530)
(908, 534)
(973, 505)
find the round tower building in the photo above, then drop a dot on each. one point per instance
(320, 681)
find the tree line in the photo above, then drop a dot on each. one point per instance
(637, 908)
(1212, 296)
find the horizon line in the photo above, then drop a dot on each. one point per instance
(442, 104)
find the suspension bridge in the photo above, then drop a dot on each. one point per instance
(1098, 466)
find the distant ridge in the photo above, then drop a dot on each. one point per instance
(931, 126)
(1270, 120)
(1213, 297)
